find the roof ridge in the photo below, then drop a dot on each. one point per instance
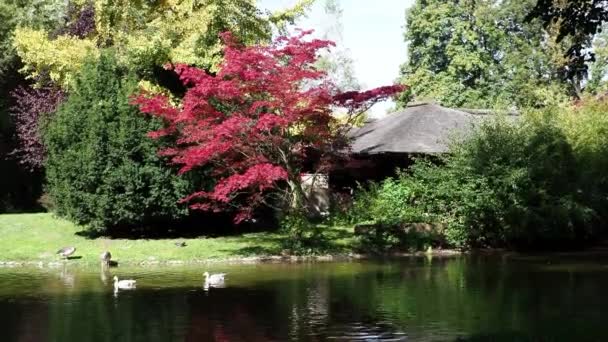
(421, 103)
(480, 111)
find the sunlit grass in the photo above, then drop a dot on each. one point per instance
(36, 237)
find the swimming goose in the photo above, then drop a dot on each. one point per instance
(214, 280)
(123, 284)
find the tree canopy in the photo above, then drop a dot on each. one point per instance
(481, 54)
(143, 35)
(146, 34)
(260, 122)
(576, 22)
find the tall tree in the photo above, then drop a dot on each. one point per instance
(576, 22)
(479, 54)
(260, 122)
(598, 69)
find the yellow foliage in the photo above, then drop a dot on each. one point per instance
(60, 57)
(282, 17)
(351, 120)
(586, 125)
(151, 88)
(145, 34)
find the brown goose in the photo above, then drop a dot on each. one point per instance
(66, 251)
(106, 257)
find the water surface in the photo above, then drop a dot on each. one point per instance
(536, 298)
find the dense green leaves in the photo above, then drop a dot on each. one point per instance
(466, 53)
(575, 21)
(102, 169)
(537, 182)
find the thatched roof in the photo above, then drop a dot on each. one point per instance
(422, 128)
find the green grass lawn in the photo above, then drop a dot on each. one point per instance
(36, 237)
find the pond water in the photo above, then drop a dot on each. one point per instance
(539, 298)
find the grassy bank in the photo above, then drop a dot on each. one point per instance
(36, 237)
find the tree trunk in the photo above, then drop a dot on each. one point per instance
(298, 200)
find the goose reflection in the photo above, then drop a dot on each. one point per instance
(104, 274)
(67, 277)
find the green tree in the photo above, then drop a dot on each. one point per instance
(466, 53)
(102, 169)
(598, 69)
(575, 22)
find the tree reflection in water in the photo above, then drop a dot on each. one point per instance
(461, 299)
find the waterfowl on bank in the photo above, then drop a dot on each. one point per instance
(124, 284)
(106, 257)
(66, 251)
(180, 243)
(214, 280)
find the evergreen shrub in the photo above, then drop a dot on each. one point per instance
(102, 169)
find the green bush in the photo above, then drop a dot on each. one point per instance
(513, 184)
(102, 170)
(586, 128)
(531, 178)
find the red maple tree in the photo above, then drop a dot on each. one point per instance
(257, 122)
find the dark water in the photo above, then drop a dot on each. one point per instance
(418, 299)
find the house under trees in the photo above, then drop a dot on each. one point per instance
(382, 146)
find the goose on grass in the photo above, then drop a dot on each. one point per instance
(66, 251)
(106, 258)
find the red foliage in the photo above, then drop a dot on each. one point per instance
(30, 106)
(255, 122)
(356, 101)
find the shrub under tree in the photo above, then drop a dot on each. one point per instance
(102, 169)
(530, 184)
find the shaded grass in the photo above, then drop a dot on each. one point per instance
(36, 237)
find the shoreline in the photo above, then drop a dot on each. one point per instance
(261, 259)
(294, 259)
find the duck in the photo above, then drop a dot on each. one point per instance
(123, 284)
(66, 251)
(214, 280)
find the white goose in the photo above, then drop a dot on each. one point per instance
(123, 284)
(214, 280)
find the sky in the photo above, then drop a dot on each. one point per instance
(372, 32)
